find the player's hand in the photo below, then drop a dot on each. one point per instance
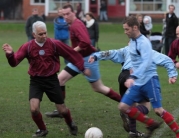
(87, 72)
(7, 48)
(129, 83)
(77, 49)
(172, 80)
(91, 59)
(177, 65)
(131, 71)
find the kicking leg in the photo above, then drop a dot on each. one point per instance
(98, 86)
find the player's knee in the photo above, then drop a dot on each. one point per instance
(159, 111)
(122, 107)
(34, 112)
(64, 111)
(96, 89)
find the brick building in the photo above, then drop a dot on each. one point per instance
(115, 8)
(28, 5)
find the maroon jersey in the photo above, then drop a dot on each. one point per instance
(80, 37)
(174, 50)
(44, 61)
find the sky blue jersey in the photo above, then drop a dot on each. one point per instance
(122, 56)
(140, 50)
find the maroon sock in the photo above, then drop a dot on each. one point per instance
(63, 91)
(39, 121)
(169, 120)
(68, 118)
(136, 114)
(114, 95)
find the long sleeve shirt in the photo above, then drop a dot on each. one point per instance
(80, 37)
(166, 62)
(44, 61)
(122, 56)
(140, 50)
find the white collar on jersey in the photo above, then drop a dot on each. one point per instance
(39, 44)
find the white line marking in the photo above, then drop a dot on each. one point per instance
(161, 130)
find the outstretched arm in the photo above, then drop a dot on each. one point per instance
(7, 48)
(117, 56)
(72, 56)
(166, 62)
(14, 58)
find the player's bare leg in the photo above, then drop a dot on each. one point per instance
(98, 86)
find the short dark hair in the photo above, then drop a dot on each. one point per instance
(171, 6)
(131, 21)
(68, 6)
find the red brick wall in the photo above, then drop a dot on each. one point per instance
(27, 9)
(113, 11)
(117, 11)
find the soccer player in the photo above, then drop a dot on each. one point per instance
(81, 43)
(43, 54)
(122, 56)
(174, 49)
(143, 81)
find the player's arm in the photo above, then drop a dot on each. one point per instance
(77, 49)
(83, 36)
(166, 62)
(72, 56)
(14, 58)
(115, 56)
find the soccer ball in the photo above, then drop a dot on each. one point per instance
(93, 132)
